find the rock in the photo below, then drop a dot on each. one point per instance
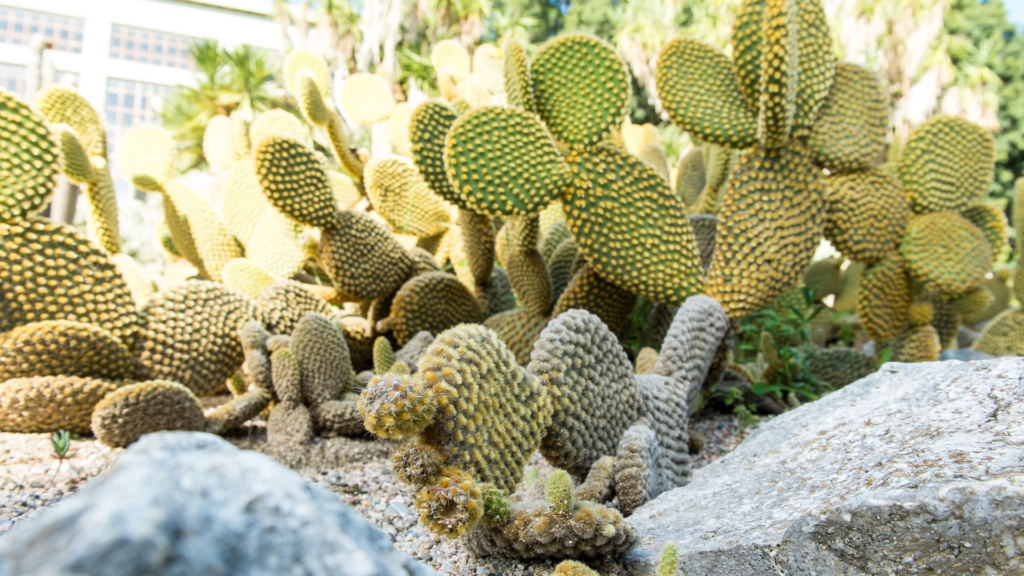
(916, 469)
(181, 503)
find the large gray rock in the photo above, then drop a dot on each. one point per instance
(187, 503)
(916, 469)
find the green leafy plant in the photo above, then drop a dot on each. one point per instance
(786, 321)
(61, 443)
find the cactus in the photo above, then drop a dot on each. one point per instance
(530, 280)
(62, 347)
(47, 403)
(30, 160)
(1002, 335)
(367, 98)
(867, 214)
(992, 223)
(433, 302)
(488, 176)
(247, 277)
(402, 197)
(61, 270)
(560, 266)
(124, 415)
(945, 252)
(632, 229)
(362, 257)
(850, 131)
(197, 231)
(839, 367)
(518, 81)
(695, 346)
(573, 568)
(884, 297)
(637, 477)
(147, 157)
(917, 344)
(284, 303)
(383, 356)
(587, 290)
(428, 128)
(518, 329)
(241, 200)
(295, 182)
(581, 88)
(947, 164)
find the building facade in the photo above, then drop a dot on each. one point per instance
(125, 56)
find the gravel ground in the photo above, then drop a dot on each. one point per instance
(358, 470)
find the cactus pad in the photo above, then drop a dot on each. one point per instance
(131, 411)
(518, 82)
(945, 252)
(433, 302)
(867, 213)
(839, 367)
(402, 197)
(428, 128)
(294, 181)
(852, 124)
(147, 157)
(29, 160)
(518, 329)
(367, 98)
(884, 296)
(362, 257)
(48, 403)
(947, 164)
(56, 347)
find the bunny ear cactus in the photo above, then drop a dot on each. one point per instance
(947, 164)
(850, 132)
(30, 160)
(518, 81)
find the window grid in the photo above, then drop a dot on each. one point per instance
(151, 47)
(17, 27)
(12, 79)
(128, 103)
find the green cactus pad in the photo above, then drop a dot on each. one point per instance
(581, 88)
(285, 302)
(48, 403)
(530, 280)
(56, 347)
(28, 161)
(1004, 335)
(147, 157)
(502, 161)
(294, 181)
(131, 411)
(518, 329)
(433, 302)
(587, 290)
(74, 160)
(428, 128)
(701, 94)
(49, 272)
(947, 164)
(518, 82)
(867, 213)
(362, 257)
(632, 229)
(197, 223)
(992, 223)
(852, 124)
(883, 300)
(918, 344)
(63, 104)
(945, 252)
(402, 197)
(769, 226)
(839, 367)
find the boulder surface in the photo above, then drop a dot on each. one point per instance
(186, 503)
(915, 469)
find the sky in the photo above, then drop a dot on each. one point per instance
(1015, 11)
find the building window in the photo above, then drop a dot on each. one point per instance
(12, 79)
(17, 26)
(151, 47)
(128, 103)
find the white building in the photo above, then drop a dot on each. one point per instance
(125, 56)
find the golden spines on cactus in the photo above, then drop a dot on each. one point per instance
(433, 302)
(147, 157)
(139, 284)
(578, 357)
(839, 367)
(92, 173)
(518, 329)
(398, 406)
(573, 568)
(632, 229)
(452, 506)
(123, 416)
(917, 344)
(294, 181)
(560, 267)
(247, 277)
(1004, 335)
(702, 95)
(48, 403)
(530, 280)
(56, 347)
(478, 244)
(867, 213)
(198, 223)
(779, 73)
(492, 178)
(191, 335)
(362, 257)
(883, 298)
(63, 104)
(285, 302)
(947, 164)
(383, 355)
(852, 124)
(428, 127)
(49, 272)
(518, 82)
(588, 290)
(399, 193)
(28, 161)
(771, 220)
(581, 88)
(992, 223)
(945, 252)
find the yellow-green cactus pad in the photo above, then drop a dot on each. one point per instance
(945, 320)
(451, 55)
(975, 303)
(690, 176)
(631, 226)
(867, 213)
(852, 123)
(530, 280)
(502, 161)
(74, 160)
(553, 238)
(947, 164)
(295, 182)
(778, 78)
(992, 223)
(299, 60)
(1003, 336)
(839, 367)
(63, 104)
(286, 302)
(362, 257)
(769, 226)
(573, 568)
(219, 142)
(246, 276)
(587, 290)
(191, 335)
(428, 128)
(598, 399)
(402, 197)
(383, 355)
(518, 82)
(433, 302)
(197, 221)
(346, 194)
(241, 200)
(581, 88)
(101, 207)
(277, 122)
(147, 157)
(560, 267)
(131, 411)
(918, 344)
(945, 252)
(764, 38)
(701, 94)
(883, 298)
(478, 244)
(49, 403)
(921, 313)
(55, 347)
(705, 230)
(49, 272)
(518, 329)
(28, 160)
(274, 245)
(139, 284)
(367, 98)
